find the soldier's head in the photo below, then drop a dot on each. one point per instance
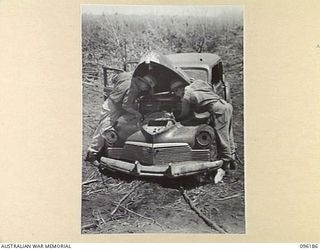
(147, 83)
(177, 87)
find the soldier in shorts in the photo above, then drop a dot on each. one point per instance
(120, 102)
(199, 97)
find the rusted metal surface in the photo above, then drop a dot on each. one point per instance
(162, 68)
(161, 146)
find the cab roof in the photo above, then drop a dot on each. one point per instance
(202, 60)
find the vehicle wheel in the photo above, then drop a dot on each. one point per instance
(205, 136)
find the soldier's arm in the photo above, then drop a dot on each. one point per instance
(129, 101)
(185, 110)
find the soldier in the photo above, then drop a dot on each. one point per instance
(120, 101)
(138, 87)
(199, 97)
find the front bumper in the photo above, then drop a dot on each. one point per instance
(171, 170)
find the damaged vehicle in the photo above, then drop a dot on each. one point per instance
(160, 145)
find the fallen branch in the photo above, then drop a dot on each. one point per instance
(228, 197)
(125, 197)
(89, 182)
(88, 226)
(88, 83)
(142, 216)
(97, 191)
(209, 222)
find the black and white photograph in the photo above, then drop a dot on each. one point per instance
(162, 119)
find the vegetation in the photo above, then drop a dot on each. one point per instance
(112, 39)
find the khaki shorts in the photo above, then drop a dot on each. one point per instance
(220, 110)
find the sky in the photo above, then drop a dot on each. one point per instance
(180, 10)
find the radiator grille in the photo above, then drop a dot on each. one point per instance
(158, 156)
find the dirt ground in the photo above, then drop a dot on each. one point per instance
(157, 205)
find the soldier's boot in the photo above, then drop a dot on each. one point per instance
(230, 168)
(233, 165)
(92, 157)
